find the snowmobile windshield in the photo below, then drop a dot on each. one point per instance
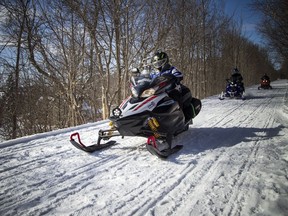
(165, 78)
(164, 82)
(140, 88)
(147, 87)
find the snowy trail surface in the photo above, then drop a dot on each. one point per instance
(234, 162)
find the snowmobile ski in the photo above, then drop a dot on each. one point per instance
(91, 148)
(164, 153)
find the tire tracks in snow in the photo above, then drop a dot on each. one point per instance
(203, 175)
(80, 179)
(238, 180)
(242, 184)
(59, 177)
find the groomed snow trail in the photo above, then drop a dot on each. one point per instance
(234, 162)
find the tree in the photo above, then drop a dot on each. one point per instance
(80, 53)
(274, 24)
(57, 49)
(15, 25)
(9, 106)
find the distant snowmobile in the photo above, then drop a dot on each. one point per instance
(149, 112)
(265, 84)
(233, 90)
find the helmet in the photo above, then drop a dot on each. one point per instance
(160, 59)
(235, 70)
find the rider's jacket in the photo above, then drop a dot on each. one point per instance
(236, 77)
(168, 69)
(265, 77)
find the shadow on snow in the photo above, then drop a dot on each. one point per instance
(202, 139)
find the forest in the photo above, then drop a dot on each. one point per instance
(68, 62)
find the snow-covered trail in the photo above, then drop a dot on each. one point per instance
(234, 162)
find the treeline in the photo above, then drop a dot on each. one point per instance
(67, 62)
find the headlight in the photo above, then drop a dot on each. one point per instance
(148, 92)
(117, 112)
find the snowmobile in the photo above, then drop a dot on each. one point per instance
(233, 90)
(265, 84)
(148, 112)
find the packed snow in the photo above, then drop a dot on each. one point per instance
(234, 162)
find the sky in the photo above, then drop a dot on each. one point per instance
(233, 162)
(241, 10)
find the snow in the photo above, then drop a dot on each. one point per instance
(234, 162)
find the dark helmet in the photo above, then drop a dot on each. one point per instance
(160, 59)
(235, 70)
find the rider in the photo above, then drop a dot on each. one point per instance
(265, 77)
(160, 62)
(162, 66)
(237, 78)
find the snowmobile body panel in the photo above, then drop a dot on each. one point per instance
(233, 90)
(164, 109)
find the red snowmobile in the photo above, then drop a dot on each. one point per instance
(265, 84)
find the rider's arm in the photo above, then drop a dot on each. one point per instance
(177, 74)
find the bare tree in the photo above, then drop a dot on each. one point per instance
(16, 16)
(57, 49)
(80, 53)
(274, 24)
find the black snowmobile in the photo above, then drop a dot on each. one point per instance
(149, 112)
